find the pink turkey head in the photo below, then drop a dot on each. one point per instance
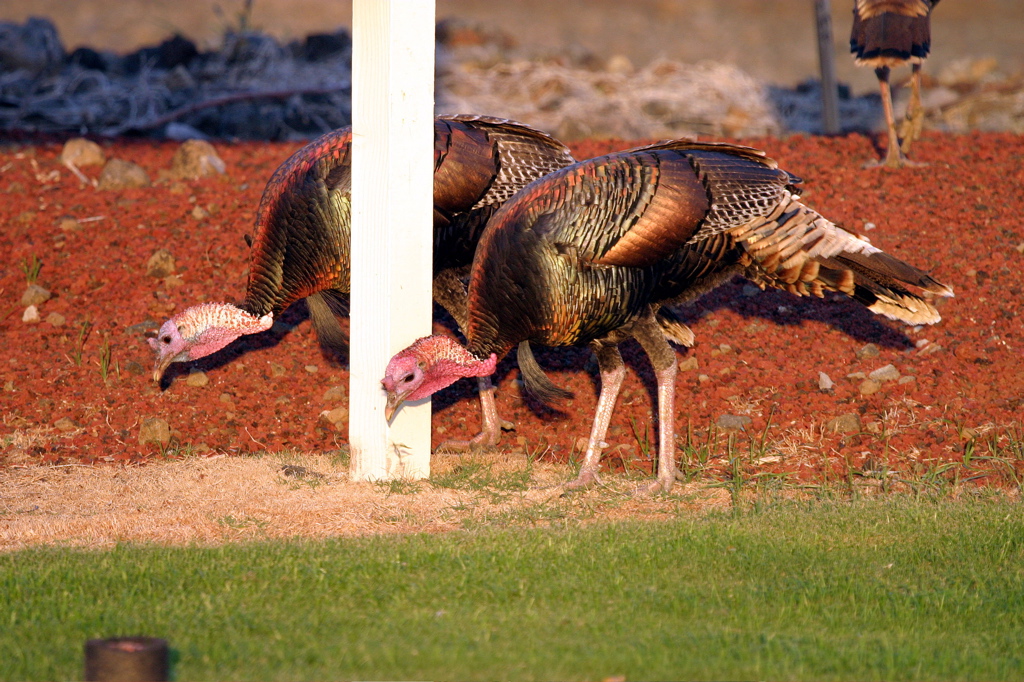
(427, 366)
(202, 330)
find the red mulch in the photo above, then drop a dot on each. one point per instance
(759, 354)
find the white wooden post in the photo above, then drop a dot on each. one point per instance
(392, 223)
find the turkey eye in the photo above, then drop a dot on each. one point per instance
(166, 339)
(407, 378)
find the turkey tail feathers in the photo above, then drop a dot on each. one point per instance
(536, 381)
(322, 307)
(673, 328)
(796, 249)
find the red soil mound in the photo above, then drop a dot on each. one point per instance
(758, 354)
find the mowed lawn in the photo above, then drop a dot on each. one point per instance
(891, 590)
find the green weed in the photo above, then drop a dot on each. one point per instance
(76, 351)
(31, 268)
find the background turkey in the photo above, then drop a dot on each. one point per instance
(889, 33)
(588, 254)
(303, 235)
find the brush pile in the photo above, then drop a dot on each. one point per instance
(251, 88)
(254, 87)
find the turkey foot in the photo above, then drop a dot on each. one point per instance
(662, 484)
(490, 431)
(585, 481)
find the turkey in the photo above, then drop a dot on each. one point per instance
(886, 34)
(589, 254)
(301, 246)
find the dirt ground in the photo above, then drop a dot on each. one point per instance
(205, 501)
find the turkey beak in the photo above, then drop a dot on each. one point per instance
(395, 401)
(162, 363)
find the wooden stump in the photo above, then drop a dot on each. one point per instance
(126, 659)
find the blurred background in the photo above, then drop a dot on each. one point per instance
(741, 43)
(772, 40)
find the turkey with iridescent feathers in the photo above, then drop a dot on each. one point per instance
(588, 255)
(303, 235)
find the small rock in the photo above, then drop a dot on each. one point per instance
(197, 379)
(824, 382)
(312, 369)
(79, 151)
(31, 315)
(200, 213)
(868, 350)
(703, 378)
(120, 174)
(65, 425)
(688, 364)
(160, 264)
(884, 374)
(334, 394)
(335, 417)
(854, 376)
(34, 295)
(750, 290)
(173, 281)
(296, 471)
(277, 370)
(846, 423)
(906, 380)
(619, 64)
(869, 386)
(9, 386)
(196, 159)
(154, 430)
(135, 368)
(68, 224)
(734, 422)
(929, 349)
(227, 398)
(581, 444)
(55, 320)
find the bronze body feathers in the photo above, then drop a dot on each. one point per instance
(586, 250)
(303, 224)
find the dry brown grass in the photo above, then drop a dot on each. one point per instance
(208, 501)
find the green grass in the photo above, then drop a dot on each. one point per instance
(896, 589)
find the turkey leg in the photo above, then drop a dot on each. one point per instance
(613, 371)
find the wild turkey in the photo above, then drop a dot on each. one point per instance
(301, 247)
(889, 33)
(588, 254)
